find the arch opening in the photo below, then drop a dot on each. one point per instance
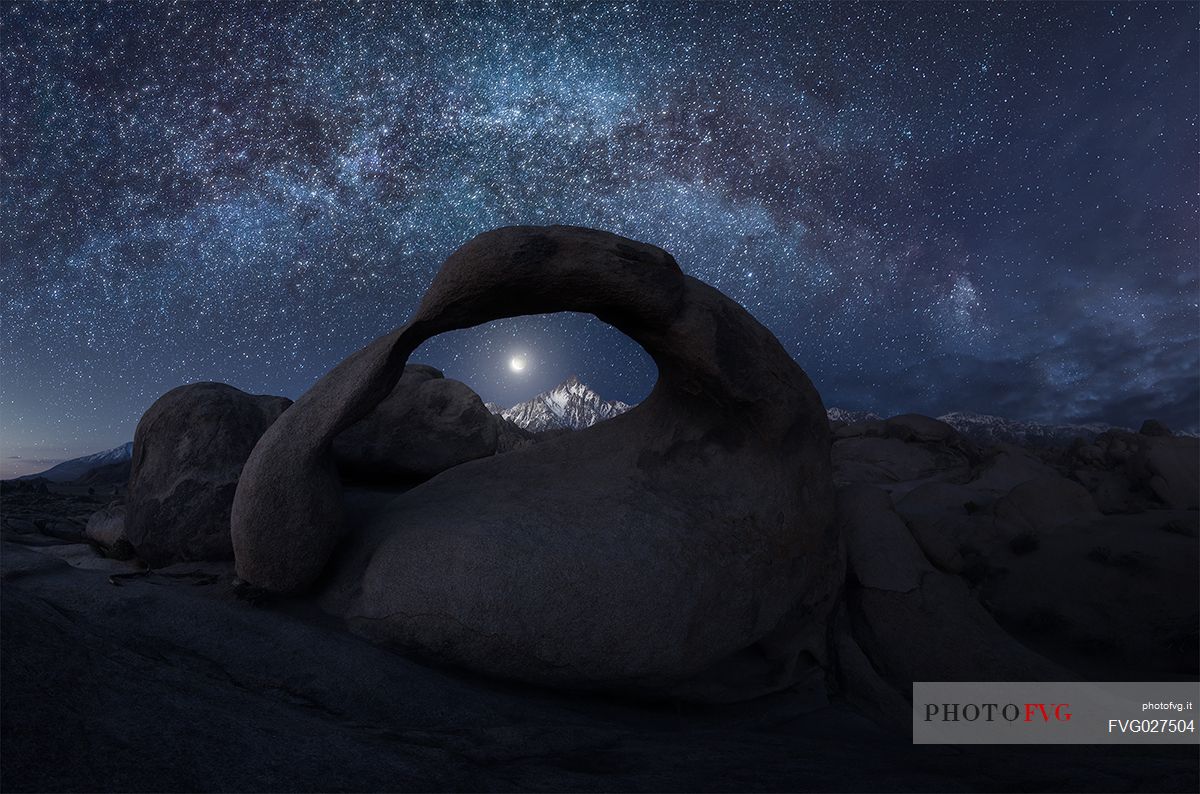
(525, 367)
(493, 388)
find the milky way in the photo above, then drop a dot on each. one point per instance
(934, 207)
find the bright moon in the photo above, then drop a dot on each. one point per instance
(517, 363)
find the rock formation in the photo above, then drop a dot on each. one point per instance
(906, 449)
(188, 452)
(107, 526)
(427, 424)
(687, 545)
(913, 622)
(1068, 550)
(690, 548)
(1130, 472)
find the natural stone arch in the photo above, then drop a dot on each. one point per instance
(689, 537)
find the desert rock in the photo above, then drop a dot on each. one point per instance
(888, 462)
(188, 452)
(427, 424)
(1045, 504)
(1007, 467)
(107, 526)
(915, 623)
(915, 427)
(637, 554)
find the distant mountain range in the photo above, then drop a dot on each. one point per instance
(570, 405)
(112, 460)
(573, 405)
(986, 429)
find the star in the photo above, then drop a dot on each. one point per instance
(927, 196)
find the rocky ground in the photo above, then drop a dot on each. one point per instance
(120, 679)
(124, 678)
(1086, 554)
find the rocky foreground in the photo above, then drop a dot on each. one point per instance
(118, 679)
(119, 676)
(384, 586)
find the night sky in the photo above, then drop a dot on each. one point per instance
(935, 207)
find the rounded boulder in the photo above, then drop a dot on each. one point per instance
(427, 424)
(188, 452)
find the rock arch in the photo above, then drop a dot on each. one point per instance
(688, 545)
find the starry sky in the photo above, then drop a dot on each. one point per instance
(935, 207)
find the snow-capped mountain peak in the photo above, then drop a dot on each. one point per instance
(571, 404)
(77, 467)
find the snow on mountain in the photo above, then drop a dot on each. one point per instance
(987, 429)
(75, 468)
(571, 405)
